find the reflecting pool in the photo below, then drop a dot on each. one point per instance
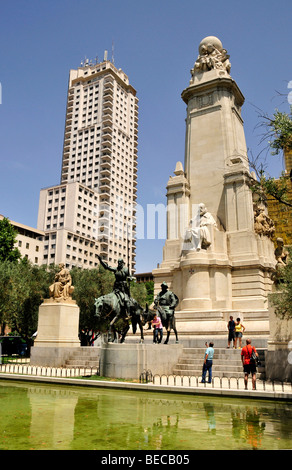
(41, 416)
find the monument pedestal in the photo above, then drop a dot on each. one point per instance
(58, 328)
(128, 361)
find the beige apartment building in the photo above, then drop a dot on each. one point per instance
(29, 241)
(92, 210)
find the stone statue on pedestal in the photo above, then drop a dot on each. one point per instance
(62, 289)
(211, 56)
(198, 234)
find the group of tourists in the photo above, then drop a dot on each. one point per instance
(249, 354)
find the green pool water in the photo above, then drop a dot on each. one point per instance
(40, 416)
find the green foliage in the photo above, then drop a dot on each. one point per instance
(23, 286)
(283, 302)
(139, 292)
(150, 292)
(89, 284)
(278, 135)
(268, 186)
(280, 132)
(7, 241)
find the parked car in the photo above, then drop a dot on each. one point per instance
(10, 345)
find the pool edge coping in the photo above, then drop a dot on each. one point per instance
(204, 390)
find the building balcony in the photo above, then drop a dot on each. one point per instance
(107, 137)
(105, 180)
(107, 129)
(105, 165)
(105, 173)
(106, 156)
(108, 85)
(108, 119)
(108, 101)
(103, 230)
(104, 188)
(108, 93)
(105, 197)
(106, 151)
(107, 108)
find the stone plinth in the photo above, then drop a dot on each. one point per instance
(58, 327)
(128, 361)
(279, 355)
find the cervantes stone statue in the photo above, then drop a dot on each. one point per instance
(198, 234)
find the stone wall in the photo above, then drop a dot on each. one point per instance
(279, 354)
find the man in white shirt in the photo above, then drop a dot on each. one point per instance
(208, 362)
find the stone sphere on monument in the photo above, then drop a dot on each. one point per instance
(210, 40)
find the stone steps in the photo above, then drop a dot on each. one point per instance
(85, 356)
(226, 363)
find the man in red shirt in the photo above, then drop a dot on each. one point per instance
(249, 366)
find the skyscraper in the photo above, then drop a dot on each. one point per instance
(92, 210)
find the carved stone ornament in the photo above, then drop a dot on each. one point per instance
(211, 56)
(263, 224)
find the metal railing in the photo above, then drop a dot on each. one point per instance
(224, 383)
(230, 383)
(46, 371)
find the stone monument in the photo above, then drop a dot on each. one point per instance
(214, 258)
(58, 324)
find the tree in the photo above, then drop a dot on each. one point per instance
(278, 136)
(89, 284)
(7, 241)
(23, 286)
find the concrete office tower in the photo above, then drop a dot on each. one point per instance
(98, 183)
(218, 256)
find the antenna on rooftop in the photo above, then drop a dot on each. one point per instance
(105, 56)
(113, 48)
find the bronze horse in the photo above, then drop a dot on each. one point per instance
(112, 319)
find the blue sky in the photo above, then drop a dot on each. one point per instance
(156, 44)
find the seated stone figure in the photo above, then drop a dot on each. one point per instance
(198, 234)
(281, 254)
(62, 288)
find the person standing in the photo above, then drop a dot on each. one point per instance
(239, 330)
(157, 325)
(231, 331)
(208, 363)
(249, 365)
